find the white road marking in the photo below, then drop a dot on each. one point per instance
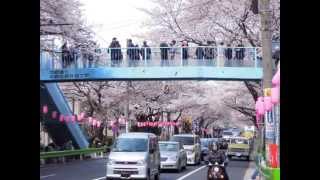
(99, 178)
(183, 177)
(177, 179)
(249, 171)
(42, 177)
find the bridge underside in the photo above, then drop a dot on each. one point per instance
(152, 73)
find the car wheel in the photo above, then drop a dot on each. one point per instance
(248, 158)
(179, 167)
(157, 176)
(148, 176)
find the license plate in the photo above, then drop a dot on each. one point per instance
(238, 154)
(125, 175)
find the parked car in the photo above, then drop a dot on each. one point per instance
(173, 156)
(191, 143)
(134, 155)
(239, 147)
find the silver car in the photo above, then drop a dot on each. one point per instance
(134, 156)
(173, 156)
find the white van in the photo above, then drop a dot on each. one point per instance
(191, 144)
(134, 156)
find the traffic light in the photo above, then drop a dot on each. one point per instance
(254, 6)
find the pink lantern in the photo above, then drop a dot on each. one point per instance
(94, 122)
(260, 106)
(45, 109)
(138, 124)
(276, 78)
(90, 120)
(275, 95)
(61, 118)
(54, 114)
(267, 103)
(73, 118)
(98, 124)
(82, 115)
(66, 118)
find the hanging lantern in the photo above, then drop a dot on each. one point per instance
(275, 95)
(54, 114)
(276, 78)
(73, 118)
(260, 106)
(61, 118)
(66, 118)
(90, 120)
(267, 103)
(45, 109)
(94, 122)
(98, 124)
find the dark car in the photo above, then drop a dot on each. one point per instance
(206, 145)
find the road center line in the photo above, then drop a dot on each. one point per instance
(42, 177)
(183, 177)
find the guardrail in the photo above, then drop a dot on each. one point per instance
(153, 56)
(80, 152)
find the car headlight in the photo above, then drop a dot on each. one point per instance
(141, 162)
(111, 162)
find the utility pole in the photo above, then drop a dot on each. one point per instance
(128, 125)
(266, 36)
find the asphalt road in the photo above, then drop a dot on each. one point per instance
(94, 169)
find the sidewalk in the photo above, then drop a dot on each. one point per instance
(72, 161)
(250, 171)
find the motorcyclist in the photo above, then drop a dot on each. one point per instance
(215, 155)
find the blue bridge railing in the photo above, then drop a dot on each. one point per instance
(152, 57)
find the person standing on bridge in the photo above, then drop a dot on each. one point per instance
(200, 54)
(65, 55)
(184, 47)
(145, 51)
(173, 49)
(114, 51)
(228, 54)
(209, 52)
(130, 52)
(164, 48)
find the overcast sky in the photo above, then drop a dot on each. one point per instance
(115, 18)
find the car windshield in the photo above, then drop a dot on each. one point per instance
(130, 145)
(204, 142)
(168, 147)
(227, 133)
(183, 140)
(239, 141)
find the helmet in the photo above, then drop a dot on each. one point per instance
(214, 147)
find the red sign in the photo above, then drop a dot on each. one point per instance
(273, 161)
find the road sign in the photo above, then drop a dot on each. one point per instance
(270, 130)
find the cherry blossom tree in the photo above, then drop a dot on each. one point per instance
(62, 20)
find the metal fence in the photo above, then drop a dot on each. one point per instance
(153, 56)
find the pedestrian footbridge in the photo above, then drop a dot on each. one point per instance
(192, 63)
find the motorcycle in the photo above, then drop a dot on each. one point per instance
(216, 171)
